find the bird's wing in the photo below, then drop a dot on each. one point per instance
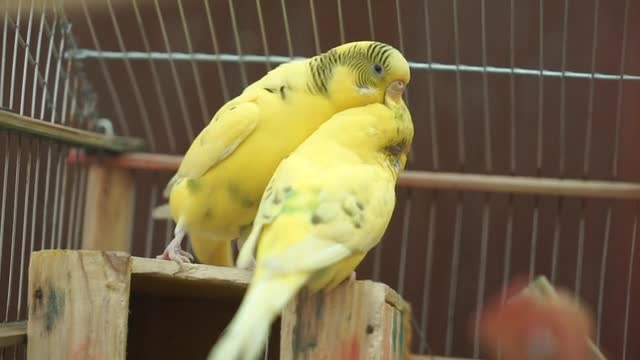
(344, 211)
(270, 206)
(229, 128)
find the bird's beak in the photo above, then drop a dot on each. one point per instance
(395, 90)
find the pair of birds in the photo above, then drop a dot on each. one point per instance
(301, 168)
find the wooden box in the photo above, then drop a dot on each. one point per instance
(100, 305)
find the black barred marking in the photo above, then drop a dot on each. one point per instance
(315, 219)
(397, 148)
(270, 90)
(282, 92)
(358, 58)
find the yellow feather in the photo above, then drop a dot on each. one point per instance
(216, 191)
(325, 207)
(223, 254)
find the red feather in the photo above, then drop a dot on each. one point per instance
(529, 328)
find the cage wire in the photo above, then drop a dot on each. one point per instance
(42, 196)
(526, 88)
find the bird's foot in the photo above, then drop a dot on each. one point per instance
(175, 253)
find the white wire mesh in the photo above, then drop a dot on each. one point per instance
(534, 88)
(41, 196)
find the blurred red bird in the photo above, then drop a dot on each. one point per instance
(529, 327)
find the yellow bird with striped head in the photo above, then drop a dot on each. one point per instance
(214, 195)
(326, 206)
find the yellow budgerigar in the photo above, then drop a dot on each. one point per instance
(215, 193)
(326, 206)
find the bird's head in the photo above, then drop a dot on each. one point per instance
(358, 73)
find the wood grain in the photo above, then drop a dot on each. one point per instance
(78, 305)
(68, 135)
(195, 281)
(359, 320)
(109, 210)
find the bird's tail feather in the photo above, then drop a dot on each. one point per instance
(246, 335)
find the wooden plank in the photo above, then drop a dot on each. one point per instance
(13, 333)
(217, 275)
(132, 160)
(356, 320)
(107, 305)
(68, 135)
(428, 179)
(520, 185)
(166, 311)
(109, 209)
(78, 305)
(167, 278)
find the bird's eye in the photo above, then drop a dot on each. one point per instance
(378, 69)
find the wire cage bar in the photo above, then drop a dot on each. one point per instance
(505, 96)
(47, 107)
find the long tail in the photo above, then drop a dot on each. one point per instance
(246, 335)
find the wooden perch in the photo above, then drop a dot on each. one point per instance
(133, 160)
(420, 179)
(13, 333)
(520, 185)
(434, 357)
(68, 135)
(96, 6)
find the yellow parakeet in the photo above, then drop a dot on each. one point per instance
(326, 206)
(215, 193)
